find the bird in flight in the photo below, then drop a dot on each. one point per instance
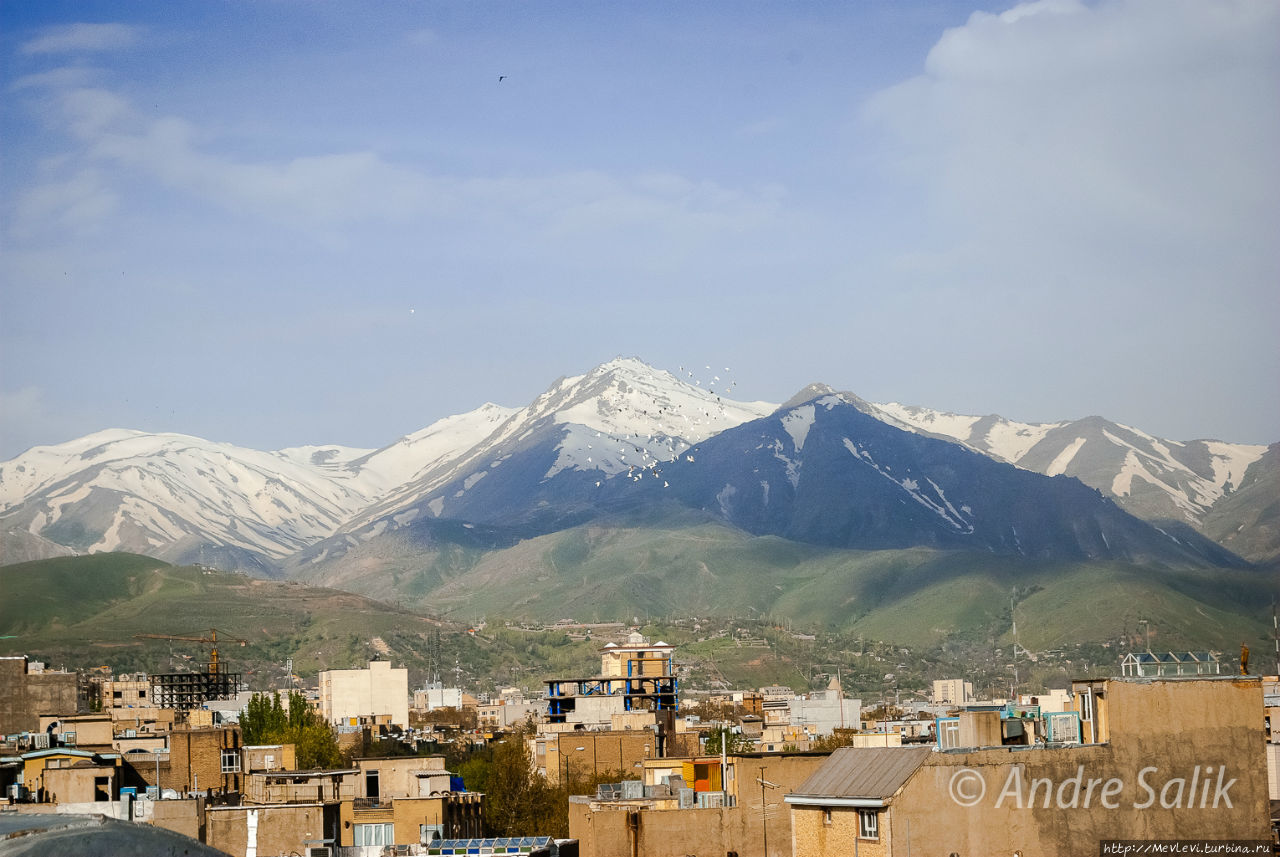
(501, 78)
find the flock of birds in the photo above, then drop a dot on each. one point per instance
(666, 441)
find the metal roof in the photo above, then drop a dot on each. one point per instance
(864, 772)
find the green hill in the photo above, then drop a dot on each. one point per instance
(85, 611)
(745, 611)
(918, 597)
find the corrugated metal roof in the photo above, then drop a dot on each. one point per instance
(864, 772)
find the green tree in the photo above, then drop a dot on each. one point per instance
(265, 722)
(518, 799)
(734, 742)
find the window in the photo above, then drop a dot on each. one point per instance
(374, 834)
(230, 761)
(868, 824)
(142, 694)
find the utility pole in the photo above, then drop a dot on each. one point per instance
(764, 806)
(764, 813)
(1014, 620)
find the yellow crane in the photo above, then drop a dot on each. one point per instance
(212, 639)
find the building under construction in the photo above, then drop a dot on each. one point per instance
(636, 676)
(185, 691)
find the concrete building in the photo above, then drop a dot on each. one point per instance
(739, 817)
(271, 829)
(320, 786)
(28, 690)
(86, 731)
(62, 775)
(1167, 760)
(634, 676)
(822, 712)
(435, 695)
(268, 757)
(395, 777)
(951, 691)
(379, 690)
(579, 754)
(125, 691)
(502, 715)
(775, 704)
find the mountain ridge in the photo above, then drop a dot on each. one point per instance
(185, 499)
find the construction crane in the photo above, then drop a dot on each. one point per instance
(212, 639)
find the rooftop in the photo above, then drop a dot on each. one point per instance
(874, 773)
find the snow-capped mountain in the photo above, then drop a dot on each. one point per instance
(826, 472)
(620, 433)
(1150, 477)
(186, 499)
(543, 462)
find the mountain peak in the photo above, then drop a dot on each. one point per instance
(808, 394)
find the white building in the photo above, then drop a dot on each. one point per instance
(952, 691)
(823, 711)
(435, 695)
(377, 691)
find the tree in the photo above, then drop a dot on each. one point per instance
(265, 722)
(734, 742)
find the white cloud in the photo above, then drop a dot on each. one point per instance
(56, 78)
(72, 38)
(1096, 136)
(326, 190)
(81, 202)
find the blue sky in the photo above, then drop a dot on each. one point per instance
(281, 223)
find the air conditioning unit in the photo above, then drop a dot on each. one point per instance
(319, 851)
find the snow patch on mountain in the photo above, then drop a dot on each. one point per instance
(792, 466)
(1230, 461)
(797, 424)
(1059, 464)
(940, 422)
(939, 506)
(1009, 441)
